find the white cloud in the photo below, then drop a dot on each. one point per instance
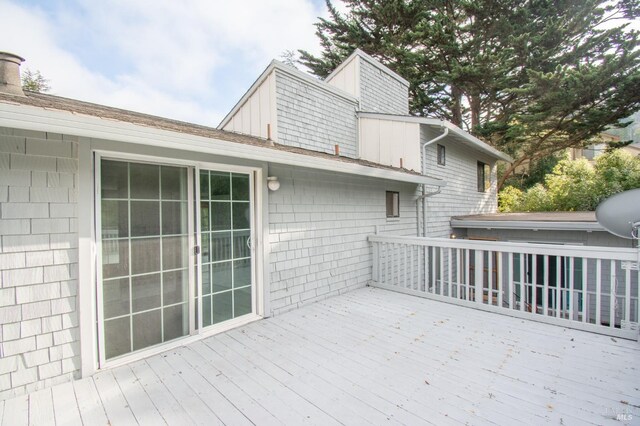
(173, 57)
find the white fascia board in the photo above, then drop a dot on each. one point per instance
(453, 130)
(64, 122)
(370, 60)
(529, 225)
(291, 71)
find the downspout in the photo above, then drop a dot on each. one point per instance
(426, 194)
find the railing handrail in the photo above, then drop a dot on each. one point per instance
(570, 250)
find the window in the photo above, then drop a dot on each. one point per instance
(393, 204)
(484, 177)
(441, 155)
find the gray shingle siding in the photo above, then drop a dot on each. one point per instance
(38, 260)
(460, 196)
(379, 92)
(312, 118)
(318, 228)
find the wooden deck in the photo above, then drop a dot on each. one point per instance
(367, 357)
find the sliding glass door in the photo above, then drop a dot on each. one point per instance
(151, 288)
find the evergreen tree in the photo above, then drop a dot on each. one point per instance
(34, 81)
(530, 77)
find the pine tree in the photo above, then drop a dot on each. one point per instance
(530, 77)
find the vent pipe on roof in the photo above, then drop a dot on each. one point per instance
(10, 74)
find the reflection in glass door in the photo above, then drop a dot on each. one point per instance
(225, 227)
(145, 262)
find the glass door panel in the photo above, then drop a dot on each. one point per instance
(225, 227)
(145, 275)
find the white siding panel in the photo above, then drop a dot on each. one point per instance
(370, 140)
(347, 79)
(386, 141)
(257, 112)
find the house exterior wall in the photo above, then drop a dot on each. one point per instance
(381, 92)
(318, 228)
(38, 260)
(312, 118)
(257, 112)
(460, 196)
(388, 141)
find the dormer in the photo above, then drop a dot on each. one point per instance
(377, 87)
(292, 108)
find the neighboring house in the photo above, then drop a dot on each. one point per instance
(558, 272)
(576, 228)
(124, 234)
(592, 152)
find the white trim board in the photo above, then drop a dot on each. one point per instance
(40, 119)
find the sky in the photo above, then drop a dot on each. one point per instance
(188, 60)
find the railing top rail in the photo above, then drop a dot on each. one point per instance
(595, 252)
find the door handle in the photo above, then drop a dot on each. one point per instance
(249, 243)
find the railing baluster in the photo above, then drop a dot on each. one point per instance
(523, 294)
(412, 276)
(510, 280)
(544, 299)
(534, 284)
(458, 270)
(598, 291)
(449, 274)
(405, 272)
(441, 271)
(489, 277)
(612, 295)
(434, 281)
(571, 288)
(627, 295)
(467, 272)
(585, 294)
(499, 278)
(387, 252)
(558, 304)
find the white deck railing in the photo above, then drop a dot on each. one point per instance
(589, 288)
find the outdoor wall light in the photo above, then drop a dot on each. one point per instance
(273, 183)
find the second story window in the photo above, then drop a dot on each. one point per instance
(393, 204)
(484, 177)
(441, 155)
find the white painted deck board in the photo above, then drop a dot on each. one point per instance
(65, 405)
(366, 357)
(16, 411)
(41, 408)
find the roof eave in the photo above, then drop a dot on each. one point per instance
(46, 120)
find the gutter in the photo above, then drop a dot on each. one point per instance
(426, 194)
